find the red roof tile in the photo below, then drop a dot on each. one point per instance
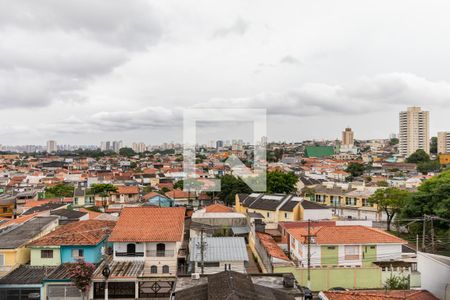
(271, 246)
(335, 235)
(380, 294)
(123, 189)
(218, 208)
(149, 224)
(177, 194)
(90, 232)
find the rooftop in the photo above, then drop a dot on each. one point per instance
(149, 224)
(219, 249)
(90, 233)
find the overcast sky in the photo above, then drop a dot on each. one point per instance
(83, 71)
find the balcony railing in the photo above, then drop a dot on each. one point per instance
(129, 254)
(160, 253)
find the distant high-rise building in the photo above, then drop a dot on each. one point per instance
(116, 145)
(444, 142)
(51, 146)
(139, 147)
(348, 137)
(219, 144)
(103, 146)
(414, 131)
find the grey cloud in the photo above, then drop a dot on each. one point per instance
(239, 27)
(51, 50)
(358, 97)
(289, 59)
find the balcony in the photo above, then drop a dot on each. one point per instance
(129, 254)
(160, 253)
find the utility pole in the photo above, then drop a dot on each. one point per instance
(308, 238)
(202, 251)
(433, 245)
(423, 232)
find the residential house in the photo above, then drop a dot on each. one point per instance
(146, 243)
(125, 194)
(219, 254)
(156, 199)
(84, 240)
(82, 198)
(334, 246)
(218, 218)
(69, 215)
(7, 205)
(13, 241)
(280, 207)
(183, 198)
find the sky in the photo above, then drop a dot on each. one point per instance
(84, 71)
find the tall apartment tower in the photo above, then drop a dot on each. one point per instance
(51, 146)
(444, 142)
(348, 137)
(414, 131)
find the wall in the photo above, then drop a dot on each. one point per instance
(435, 275)
(326, 278)
(387, 251)
(36, 259)
(316, 214)
(92, 254)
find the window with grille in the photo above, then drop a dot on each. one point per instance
(351, 252)
(46, 253)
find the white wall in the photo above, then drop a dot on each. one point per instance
(435, 275)
(341, 257)
(317, 214)
(389, 251)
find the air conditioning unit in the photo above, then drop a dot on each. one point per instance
(195, 275)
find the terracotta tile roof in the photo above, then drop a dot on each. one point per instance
(271, 246)
(19, 220)
(218, 208)
(90, 232)
(380, 294)
(336, 235)
(92, 214)
(151, 195)
(177, 194)
(149, 224)
(123, 189)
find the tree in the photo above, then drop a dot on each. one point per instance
(230, 186)
(419, 156)
(178, 185)
(382, 183)
(429, 166)
(391, 201)
(355, 169)
(127, 151)
(434, 145)
(393, 141)
(280, 182)
(103, 190)
(165, 189)
(59, 190)
(432, 198)
(397, 282)
(81, 275)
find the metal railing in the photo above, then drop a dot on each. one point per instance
(160, 253)
(129, 254)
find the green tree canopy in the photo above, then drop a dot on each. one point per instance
(434, 145)
(59, 190)
(103, 189)
(126, 151)
(393, 141)
(280, 182)
(432, 198)
(355, 169)
(419, 156)
(230, 186)
(391, 201)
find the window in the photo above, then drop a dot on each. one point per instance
(153, 269)
(160, 250)
(75, 201)
(209, 264)
(46, 253)
(165, 269)
(131, 248)
(2, 260)
(351, 252)
(268, 214)
(286, 215)
(77, 253)
(331, 247)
